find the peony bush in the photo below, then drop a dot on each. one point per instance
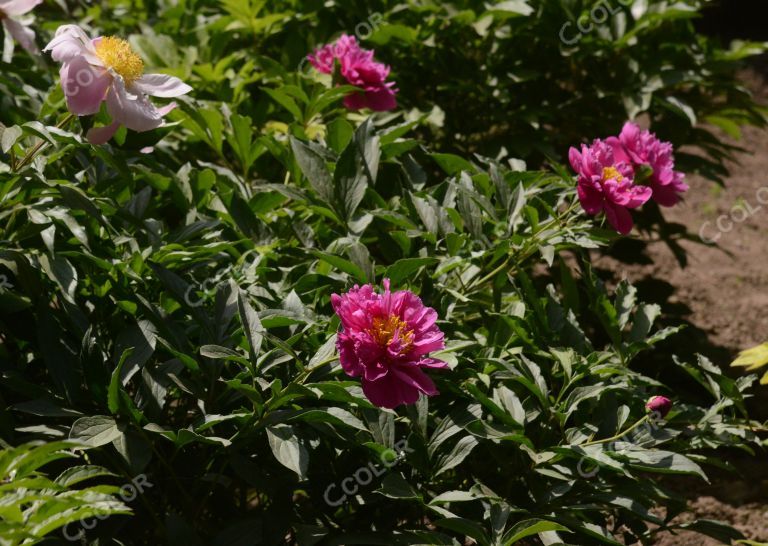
(310, 305)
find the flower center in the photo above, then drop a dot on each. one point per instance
(385, 329)
(611, 173)
(118, 55)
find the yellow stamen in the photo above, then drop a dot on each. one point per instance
(611, 173)
(384, 329)
(118, 55)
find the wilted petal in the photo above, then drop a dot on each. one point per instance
(160, 85)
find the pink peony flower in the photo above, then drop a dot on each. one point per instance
(359, 69)
(385, 340)
(641, 147)
(108, 69)
(9, 9)
(606, 185)
(660, 404)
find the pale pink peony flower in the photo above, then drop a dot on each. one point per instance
(108, 69)
(385, 340)
(659, 404)
(9, 10)
(359, 69)
(605, 184)
(641, 147)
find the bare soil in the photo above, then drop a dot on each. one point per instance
(722, 297)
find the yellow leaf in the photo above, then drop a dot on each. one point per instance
(753, 358)
(764, 380)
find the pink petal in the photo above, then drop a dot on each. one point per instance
(415, 378)
(85, 87)
(638, 196)
(619, 152)
(574, 157)
(70, 41)
(389, 392)
(350, 363)
(374, 371)
(25, 36)
(19, 7)
(101, 135)
(161, 85)
(432, 363)
(591, 200)
(619, 218)
(434, 341)
(133, 111)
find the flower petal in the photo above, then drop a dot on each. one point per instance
(389, 392)
(414, 377)
(70, 41)
(85, 87)
(19, 7)
(133, 111)
(22, 34)
(161, 85)
(432, 363)
(100, 135)
(619, 218)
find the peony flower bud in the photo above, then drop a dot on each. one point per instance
(660, 404)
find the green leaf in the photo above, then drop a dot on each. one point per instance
(286, 102)
(94, 431)
(402, 269)
(339, 134)
(314, 168)
(357, 166)
(9, 136)
(452, 164)
(252, 328)
(343, 265)
(528, 528)
(113, 394)
(288, 449)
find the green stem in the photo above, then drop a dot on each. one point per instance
(27, 159)
(617, 436)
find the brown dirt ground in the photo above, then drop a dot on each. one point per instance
(722, 296)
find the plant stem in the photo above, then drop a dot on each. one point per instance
(27, 159)
(617, 436)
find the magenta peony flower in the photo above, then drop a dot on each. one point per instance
(385, 340)
(108, 69)
(606, 185)
(660, 404)
(641, 147)
(9, 9)
(359, 69)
